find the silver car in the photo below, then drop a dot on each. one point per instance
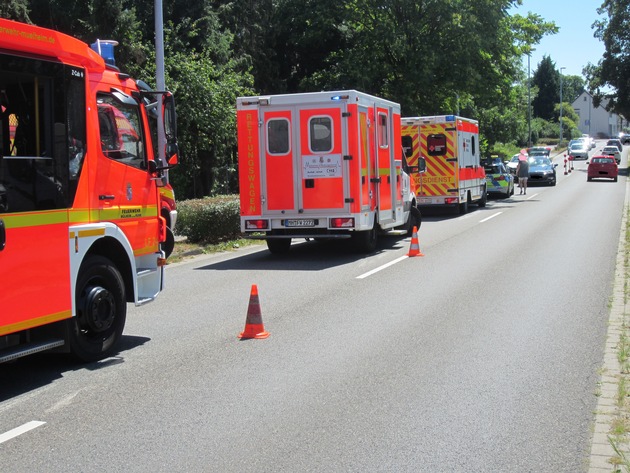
(612, 151)
(578, 151)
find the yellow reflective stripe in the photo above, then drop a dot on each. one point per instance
(167, 192)
(77, 216)
(46, 319)
(130, 211)
(88, 233)
(31, 219)
(146, 250)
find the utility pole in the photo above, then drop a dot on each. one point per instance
(529, 102)
(560, 142)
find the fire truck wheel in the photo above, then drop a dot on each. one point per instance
(279, 246)
(168, 245)
(101, 310)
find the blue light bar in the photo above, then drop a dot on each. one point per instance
(105, 48)
(340, 97)
(450, 118)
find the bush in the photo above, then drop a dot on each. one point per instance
(209, 220)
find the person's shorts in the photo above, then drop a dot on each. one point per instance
(522, 180)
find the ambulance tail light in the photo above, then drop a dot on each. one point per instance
(258, 224)
(450, 200)
(342, 222)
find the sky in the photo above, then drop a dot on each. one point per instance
(574, 46)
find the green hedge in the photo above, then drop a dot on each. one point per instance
(209, 220)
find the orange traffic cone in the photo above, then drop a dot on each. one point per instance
(253, 324)
(414, 248)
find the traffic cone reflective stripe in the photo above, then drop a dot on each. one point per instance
(253, 324)
(414, 248)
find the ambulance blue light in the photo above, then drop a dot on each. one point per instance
(450, 118)
(340, 97)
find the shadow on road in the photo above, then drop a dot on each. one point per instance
(36, 371)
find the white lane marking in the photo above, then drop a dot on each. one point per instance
(491, 216)
(531, 196)
(20, 430)
(387, 265)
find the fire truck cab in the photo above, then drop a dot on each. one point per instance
(80, 229)
(322, 165)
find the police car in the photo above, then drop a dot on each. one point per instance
(499, 180)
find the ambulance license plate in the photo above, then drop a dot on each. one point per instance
(425, 200)
(302, 222)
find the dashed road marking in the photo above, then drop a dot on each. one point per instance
(20, 430)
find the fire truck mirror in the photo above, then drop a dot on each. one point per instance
(170, 117)
(172, 151)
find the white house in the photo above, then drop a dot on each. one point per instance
(596, 121)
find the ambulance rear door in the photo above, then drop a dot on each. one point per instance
(304, 170)
(439, 147)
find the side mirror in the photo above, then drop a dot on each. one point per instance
(422, 164)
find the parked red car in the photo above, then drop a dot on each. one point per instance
(602, 166)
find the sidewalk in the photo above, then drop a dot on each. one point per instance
(612, 415)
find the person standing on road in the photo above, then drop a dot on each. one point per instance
(522, 172)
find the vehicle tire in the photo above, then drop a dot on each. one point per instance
(484, 199)
(463, 207)
(101, 310)
(615, 179)
(415, 220)
(168, 245)
(366, 241)
(589, 179)
(279, 246)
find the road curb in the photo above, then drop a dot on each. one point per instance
(603, 457)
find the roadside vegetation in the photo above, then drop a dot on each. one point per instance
(619, 436)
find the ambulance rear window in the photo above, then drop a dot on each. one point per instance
(278, 136)
(320, 134)
(436, 145)
(383, 140)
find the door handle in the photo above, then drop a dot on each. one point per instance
(106, 197)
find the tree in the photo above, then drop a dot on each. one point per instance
(15, 10)
(547, 79)
(572, 87)
(613, 70)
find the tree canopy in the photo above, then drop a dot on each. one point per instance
(610, 78)
(431, 56)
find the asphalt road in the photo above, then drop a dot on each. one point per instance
(481, 356)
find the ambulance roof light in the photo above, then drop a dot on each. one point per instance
(340, 97)
(105, 48)
(450, 118)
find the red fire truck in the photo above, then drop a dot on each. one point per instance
(80, 225)
(321, 165)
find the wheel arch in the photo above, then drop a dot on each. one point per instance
(114, 251)
(106, 240)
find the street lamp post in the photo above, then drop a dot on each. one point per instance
(529, 102)
(560, 142)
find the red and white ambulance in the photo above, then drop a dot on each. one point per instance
(447, 148)
(321, 165)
